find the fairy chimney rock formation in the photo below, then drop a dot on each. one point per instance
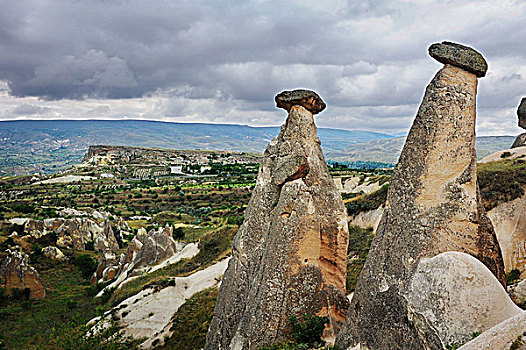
(433, 206)
(289, 255)
(17, 274)
(521, 113)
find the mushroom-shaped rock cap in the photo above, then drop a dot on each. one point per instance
(521, 113)
(461, 56)
(305, 98)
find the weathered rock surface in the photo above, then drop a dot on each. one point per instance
(432, 207)
(158, 246)
(305, 98)
(511, 153)
(149, 313)
(460, 56)
(509, 220)
(521, 113)
(518, 292)
(289, 255)
(159, 250)
(456, 295)
(16, 273)
(368, 219)
(54, 253)
(77, 232)
(501, 336)
(520, 141)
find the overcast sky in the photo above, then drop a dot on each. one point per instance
(224, 61)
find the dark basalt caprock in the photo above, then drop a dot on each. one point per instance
(521, 113)
(459, 55)
(305, 98)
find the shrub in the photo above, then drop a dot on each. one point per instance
(178, 233)
(512, 276)
(86, 264)
(308, 329)
(505, 154)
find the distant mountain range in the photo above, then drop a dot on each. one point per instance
(28, 146)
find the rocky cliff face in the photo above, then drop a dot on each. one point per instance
(16, 273)
(432, 207)
(289, 255)
(509, 220)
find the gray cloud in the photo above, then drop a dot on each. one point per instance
(224, 61)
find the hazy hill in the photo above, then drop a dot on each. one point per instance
(28, 146)
(40, 145)
(388, 150)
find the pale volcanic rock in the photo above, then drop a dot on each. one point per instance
(521, 113)
(16, 273)
(158, 246)
(509, 220)
(501, 336)
(141, 234)
(289, 255)
(460, 56)
(368, 219)
(457, 295)
(54, 253)
(305, 98)
(433, 206)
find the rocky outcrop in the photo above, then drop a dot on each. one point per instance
(368, 219)
(107, 268)
(76, 233)
(289, 255)
(521, 113)
(520, 141)
(506, 335)
(158, 246)
(432, 207)
(509, 220)
(456, 295)
(148, 315)
(54, 253)
(17, 274)
(507, 154)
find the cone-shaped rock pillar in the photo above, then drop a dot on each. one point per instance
(432, 207)
(289, 255)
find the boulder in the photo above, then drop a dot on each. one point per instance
(460, 56)
(305, 98)
(518, 292)
(521, 113)
(141, 235)
(520, 141)
(54, 253)
(16, 273)
(433, 206)
(107, 260)
(509, 220)
(456, 295)
(157, 247)
(289, 255)
(506, 335)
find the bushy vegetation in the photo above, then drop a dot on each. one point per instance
(367, 202)
(512, 276)
(501, 181)
(304, 333)
(360, 240)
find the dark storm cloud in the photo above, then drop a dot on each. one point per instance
(227, 59)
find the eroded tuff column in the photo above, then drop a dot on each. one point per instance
(432, 207)
(289, 255)
(520, 141)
